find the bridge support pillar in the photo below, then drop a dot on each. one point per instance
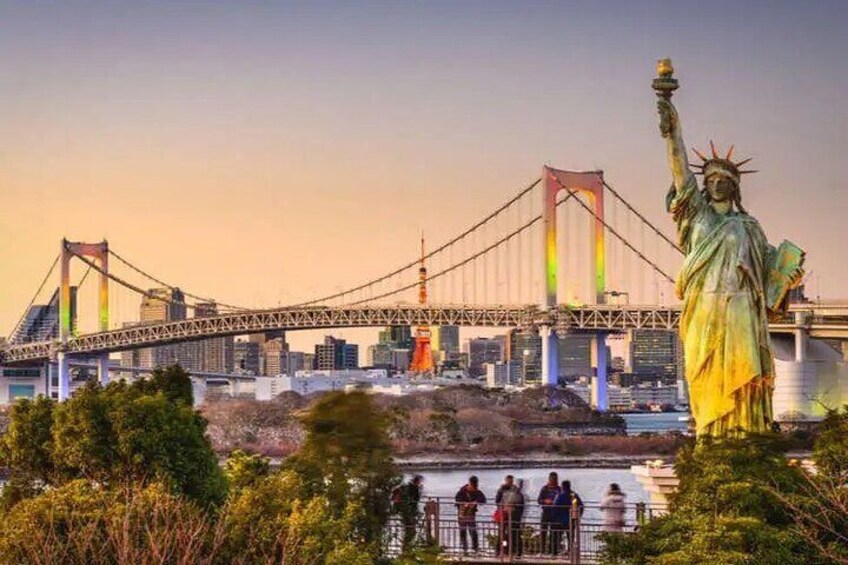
(801, 337)
(103, 369)
(63, 372)
(600, 400)
(550, 356)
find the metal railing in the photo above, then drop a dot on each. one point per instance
(498, 533)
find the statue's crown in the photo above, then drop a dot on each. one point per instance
(721, 165)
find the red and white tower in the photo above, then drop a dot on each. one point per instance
(422, 357)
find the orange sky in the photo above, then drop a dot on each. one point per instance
(266, 155)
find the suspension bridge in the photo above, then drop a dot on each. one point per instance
(567, 253)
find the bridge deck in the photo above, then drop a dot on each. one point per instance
(827, 321)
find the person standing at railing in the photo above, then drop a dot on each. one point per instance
(405, 500)
(565, 501)
(468, 499)
(500, 514)
(512, 504)
(614, 507)
(548, 524)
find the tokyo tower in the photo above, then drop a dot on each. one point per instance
(422, 357)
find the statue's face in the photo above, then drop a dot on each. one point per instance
(720, 187)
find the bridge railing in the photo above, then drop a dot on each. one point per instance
(499, 533)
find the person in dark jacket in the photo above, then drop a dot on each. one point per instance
(468, 501)
(410, 496)
(564, 504)
(549, 526)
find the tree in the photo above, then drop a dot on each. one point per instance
(26, 449)
(117, 435)
(820, 513)
(270, 521)
(172, 381)
(724, 512)
(243, 470)
(347, 458)
(831, 448)
(82, 523)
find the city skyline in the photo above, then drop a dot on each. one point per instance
(275, 132)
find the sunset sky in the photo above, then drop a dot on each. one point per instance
(264, 153)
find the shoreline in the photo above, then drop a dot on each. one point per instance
(531, 460)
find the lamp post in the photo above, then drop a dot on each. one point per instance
(619, 293)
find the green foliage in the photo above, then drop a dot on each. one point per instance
(256, 515)
(726, 510)
(26, 449)
(172, 381)
(243, 470)
(119, 435)
(125, 474)
(347, 459)
(831, 448)
(82, 523)
(735, 477)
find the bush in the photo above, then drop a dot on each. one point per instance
(119, 435)
(739, 502)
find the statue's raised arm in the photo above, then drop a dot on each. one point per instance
(670, 128)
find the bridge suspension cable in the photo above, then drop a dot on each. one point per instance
(616, 234)
(35, 296)
(643, 218)
(467, 260)
(171, 287)
(415, 262)
(92, 265)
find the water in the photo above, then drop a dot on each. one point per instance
(591, 484)
(656, 422)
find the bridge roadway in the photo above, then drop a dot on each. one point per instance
(829, 321)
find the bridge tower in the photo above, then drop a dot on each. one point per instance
(99, 252)
(590, 183)
(422, 356)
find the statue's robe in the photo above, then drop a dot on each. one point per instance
(724, 322)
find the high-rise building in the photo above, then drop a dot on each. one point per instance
(275, 357)
(575, 356)
(397, 336)
(41, 322)
(215, 355)
(654, 354)
(526, 348)
(400, 359)
(294, 362)
(335, 354)
(503, 373)
(482, 350)
(308, 361)
(350, 356)
(449, 339)
(164, 305)
(379, 354)
(246, 357)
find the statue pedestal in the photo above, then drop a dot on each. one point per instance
(659, 480)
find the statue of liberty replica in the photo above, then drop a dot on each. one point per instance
(731, 282)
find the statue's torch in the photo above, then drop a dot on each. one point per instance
(665, 83)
